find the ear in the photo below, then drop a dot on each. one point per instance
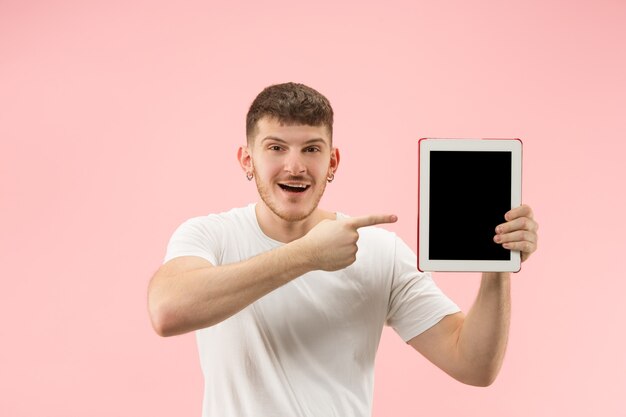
(334, 161)
(245, 159)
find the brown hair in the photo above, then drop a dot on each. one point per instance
(290, 103)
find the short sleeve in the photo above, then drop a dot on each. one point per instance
(198, 236)
(416, 303)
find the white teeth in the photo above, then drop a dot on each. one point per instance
(296, 185)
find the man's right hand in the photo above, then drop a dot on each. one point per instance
(332, 244)
(189, 293)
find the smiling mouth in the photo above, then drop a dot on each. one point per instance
(294, 188)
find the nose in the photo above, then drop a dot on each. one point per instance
(294, 164)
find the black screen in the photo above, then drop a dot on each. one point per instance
(470, 191)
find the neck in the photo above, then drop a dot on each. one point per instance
(285, 231)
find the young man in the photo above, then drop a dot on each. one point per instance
(288, 309)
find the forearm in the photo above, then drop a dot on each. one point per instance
(184, 301)
(484, 334)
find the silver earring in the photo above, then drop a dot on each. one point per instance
(249, 175)
(331, 177)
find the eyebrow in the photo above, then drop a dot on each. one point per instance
(314, 140)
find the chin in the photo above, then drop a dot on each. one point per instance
(287, 209)
(292, 215)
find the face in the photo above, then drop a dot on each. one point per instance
(290, 165)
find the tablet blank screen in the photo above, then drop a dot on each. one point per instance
(470, 191)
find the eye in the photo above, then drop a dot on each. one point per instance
(274, 148)
(312, 149)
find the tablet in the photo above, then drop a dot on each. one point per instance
(465, 187)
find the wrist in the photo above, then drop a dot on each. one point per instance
(496, 275)
(495, 281)
(301, 255)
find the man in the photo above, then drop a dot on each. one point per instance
(288, 309)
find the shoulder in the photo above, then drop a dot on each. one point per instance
(230, 217)
(215, 225)
(207, 236)
(377, 236)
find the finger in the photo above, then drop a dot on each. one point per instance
(518, 236)
(522, 211)
(372, 220)
(522, 223)
(525, 247)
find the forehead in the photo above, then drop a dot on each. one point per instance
(290, 133)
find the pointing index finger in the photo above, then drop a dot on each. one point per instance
(372, 220)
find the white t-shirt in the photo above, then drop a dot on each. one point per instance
(308, 347)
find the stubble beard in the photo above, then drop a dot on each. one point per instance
(271, 203)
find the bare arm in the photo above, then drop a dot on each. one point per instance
(471, 348)
(188, 293)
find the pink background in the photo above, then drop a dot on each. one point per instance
(121, 119)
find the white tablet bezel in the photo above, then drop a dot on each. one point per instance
(425, 146)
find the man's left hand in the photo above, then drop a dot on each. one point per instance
(519, 232)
